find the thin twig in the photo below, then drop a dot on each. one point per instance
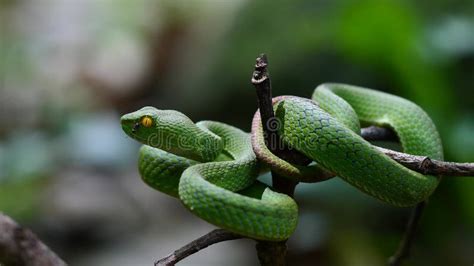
(403, 251)
(20, 246)
(421, 164)
(263, 87)
(261, 81)
(427, 166)
(215, 236)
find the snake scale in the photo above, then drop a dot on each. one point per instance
(213, 167)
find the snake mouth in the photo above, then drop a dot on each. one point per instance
(128, 126)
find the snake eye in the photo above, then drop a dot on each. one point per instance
(146, 121)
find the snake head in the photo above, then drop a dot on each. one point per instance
(168, 130)
(140, 124)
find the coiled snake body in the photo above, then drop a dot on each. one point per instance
(212, 167)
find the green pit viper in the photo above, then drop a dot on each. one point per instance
(212, 167)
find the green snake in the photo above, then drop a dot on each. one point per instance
(212, 167)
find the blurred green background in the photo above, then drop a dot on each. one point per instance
(69, 69)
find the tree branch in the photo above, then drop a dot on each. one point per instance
(403, 251)
(427, 166)
(421, 164)
(215, 236)
(416, 163)
(378, 133)
(273, 253)
(20, 246)
(261, 81)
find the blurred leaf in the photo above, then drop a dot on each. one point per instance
(386, 34)
(20, 199)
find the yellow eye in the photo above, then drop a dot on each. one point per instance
(146, 121)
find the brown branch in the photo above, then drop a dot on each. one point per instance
(403, 251)
(421, 164)
(268, 250)
(20, 246)
(427, 166)
(378, 133)
(273, 253)
(411, 161)
(263, 87)
(215, 236)
(261, 81)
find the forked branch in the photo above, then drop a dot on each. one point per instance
(422, 164)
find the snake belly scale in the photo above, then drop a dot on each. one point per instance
(212, 167)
